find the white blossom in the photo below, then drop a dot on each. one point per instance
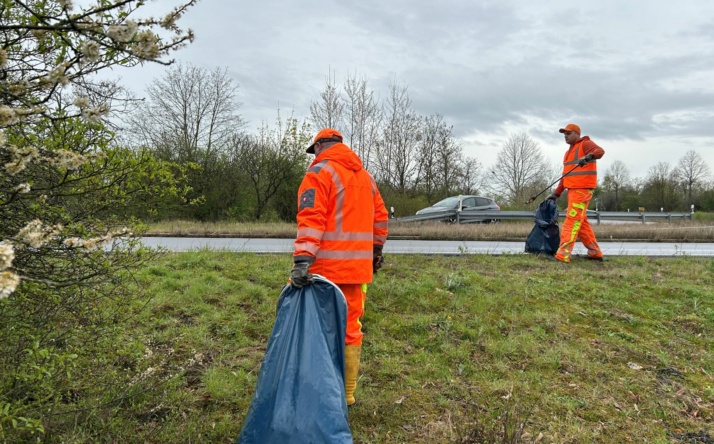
(123, 33)
(90, 50)
(8, 283)
(69, 160)
(36, 234)
(94, 115)
(170, 19)
(8, 116)
(18, 88)
(15, 166)
(81, 102)
(23, 188)
(57, 77)
(67, 4)
(146, 44)
(94, 243)
(72, 242)
(121, 232)
(7, 255)
(20, 158)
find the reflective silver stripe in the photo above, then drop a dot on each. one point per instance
(306, 246)
(339, 197)
(574, 162)
(380, 239)
(374, 184)
(384, 224)
(344, 254)
(312, 232)
(582, 173)
(317, 167)
(576, 155)
(347, 236)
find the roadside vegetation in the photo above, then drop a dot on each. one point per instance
(102, 340)
(699, 230)
(460, 349)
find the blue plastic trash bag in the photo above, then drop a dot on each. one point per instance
(300, 393)
(544, 238)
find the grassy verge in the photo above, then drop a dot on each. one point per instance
(461, 349)
(689, 231)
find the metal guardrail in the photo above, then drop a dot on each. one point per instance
(466, 216)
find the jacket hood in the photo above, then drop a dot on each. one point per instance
(582, 139)
(341, 154)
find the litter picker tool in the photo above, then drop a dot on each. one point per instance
(548, 187)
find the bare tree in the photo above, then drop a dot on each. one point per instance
(520, 165)
(472, 177)
(328, 112)
(190, 115)
(439, 166)
(615, 181)
(442, 168)
(396, 158)
(427, 174)
(363, 118)
(694, 173)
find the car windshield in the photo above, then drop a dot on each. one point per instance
(449, 202)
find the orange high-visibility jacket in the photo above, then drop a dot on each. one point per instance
(584, 176)
(341, 216)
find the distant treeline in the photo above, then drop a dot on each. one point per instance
(191, 118)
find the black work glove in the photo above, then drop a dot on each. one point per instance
(299, 276)
(585, 159)
(377, 258)
(552, 196)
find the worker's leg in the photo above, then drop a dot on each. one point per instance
(355, 295)
(578, 201)
(587, 237)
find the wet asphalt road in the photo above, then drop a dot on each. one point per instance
(259, 245)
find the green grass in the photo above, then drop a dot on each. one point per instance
(472, 348)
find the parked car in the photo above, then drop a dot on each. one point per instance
(466, 204)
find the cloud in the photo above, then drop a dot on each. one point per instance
(631, 76)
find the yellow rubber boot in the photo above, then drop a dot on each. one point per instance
(352, 355)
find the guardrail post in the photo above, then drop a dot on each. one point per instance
(643, 217)
(597, 216)
(669, 218)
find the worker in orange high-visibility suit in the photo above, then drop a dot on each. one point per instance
(580, 183)
(342, 228)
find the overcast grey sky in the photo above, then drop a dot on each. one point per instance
(637, 76)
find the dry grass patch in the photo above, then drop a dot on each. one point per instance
(680, 231)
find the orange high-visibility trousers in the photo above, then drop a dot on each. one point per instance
(355, 294)
(577, 226)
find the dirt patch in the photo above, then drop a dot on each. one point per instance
(700, 437)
